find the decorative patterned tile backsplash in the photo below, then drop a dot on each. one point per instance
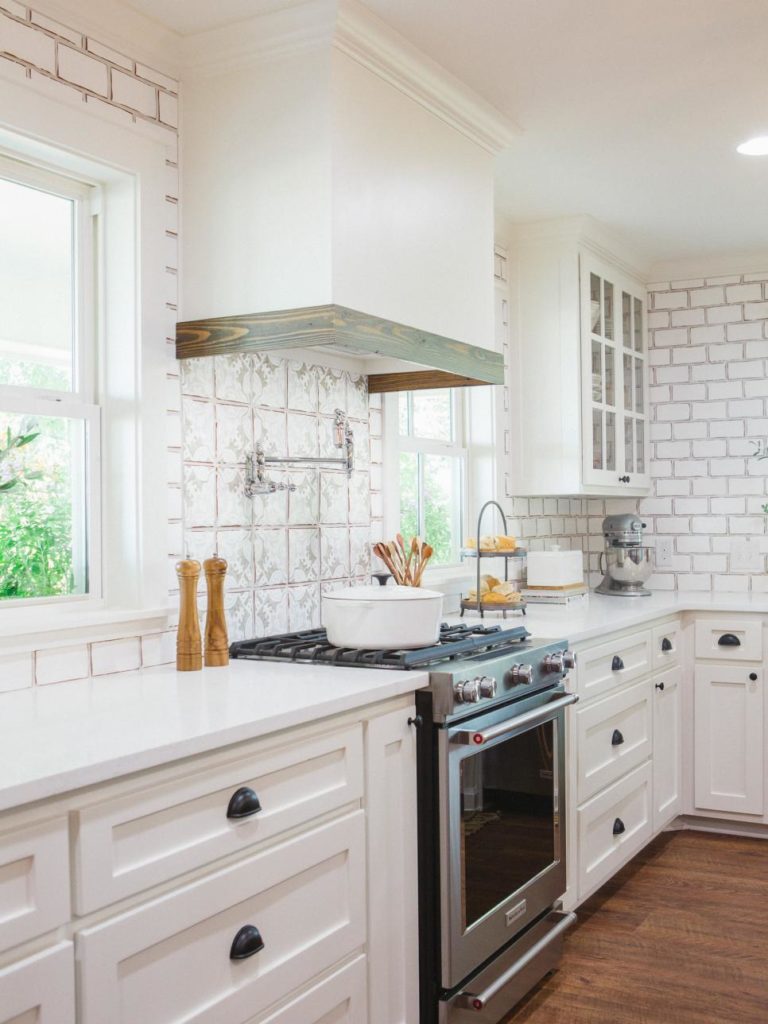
(283, 549)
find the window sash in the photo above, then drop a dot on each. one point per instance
(408, 443)
(90, 415)
(85, 198)
(79, 402)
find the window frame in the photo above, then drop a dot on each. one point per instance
(456, 448)
(129, 162)
(78, 403)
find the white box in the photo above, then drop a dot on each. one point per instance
(555, 568)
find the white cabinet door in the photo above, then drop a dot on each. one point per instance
(40, 989)
(393, 957)
(34, 879)
(614, 378)
(728, 743)
(667, 720)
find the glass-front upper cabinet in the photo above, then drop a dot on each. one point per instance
(614, 372)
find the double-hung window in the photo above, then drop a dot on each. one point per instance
(432, 468)
(49, 422)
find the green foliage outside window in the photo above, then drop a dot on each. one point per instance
(35, 510)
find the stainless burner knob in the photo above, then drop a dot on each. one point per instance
(569, 660)
(467, 692)
(487, 686)
(521, 675)
(553, 663)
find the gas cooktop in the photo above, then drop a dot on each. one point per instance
(312, 646)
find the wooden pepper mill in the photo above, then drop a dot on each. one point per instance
(189, 650)
(216, 640)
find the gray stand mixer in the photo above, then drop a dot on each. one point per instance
(628, 562)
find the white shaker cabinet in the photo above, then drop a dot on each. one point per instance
(728, 738)
(303, 910)
(667, 753)
(577, 371)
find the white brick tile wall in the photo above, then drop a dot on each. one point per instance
(80, 69)
(27, 43)
(708, 358)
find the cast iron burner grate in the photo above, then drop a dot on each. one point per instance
(312, 646)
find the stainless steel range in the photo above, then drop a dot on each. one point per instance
(492, 808)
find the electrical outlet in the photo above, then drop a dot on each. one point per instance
(746, 555)
(663, 552)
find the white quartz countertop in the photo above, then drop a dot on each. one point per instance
(54, 739)
(594, 615)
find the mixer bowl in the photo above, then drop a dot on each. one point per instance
(629, 565)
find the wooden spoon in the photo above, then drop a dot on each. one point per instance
(426, 553)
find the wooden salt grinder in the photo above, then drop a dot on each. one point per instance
(189, 649)
(216, 640)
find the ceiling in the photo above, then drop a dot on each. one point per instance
(630, 109)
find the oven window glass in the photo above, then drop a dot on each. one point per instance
(508, 818)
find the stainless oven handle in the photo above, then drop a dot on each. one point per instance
(479, 1000)
(530, 718)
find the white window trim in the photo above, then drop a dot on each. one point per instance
(394, 443)
(129, 168)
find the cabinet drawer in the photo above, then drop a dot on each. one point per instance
(339, 999)
(168, 961)
(730, 639)
(132, 842)
(665, 644)
(614, 736)
(611, 664)
(613, 827)
(34, 880)
(40, 989)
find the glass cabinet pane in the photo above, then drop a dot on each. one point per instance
(610, 375)
(595, 304)
(639, 398)
(626, 319)
(627, 382)
(640, 446)
(629, 446)
(610, 440)
(597, 439)
(608, 309)
(638, 325)
(597, 371)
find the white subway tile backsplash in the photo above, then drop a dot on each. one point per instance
(707, 406)
(115, 656)
(16, 672)
(62, 664)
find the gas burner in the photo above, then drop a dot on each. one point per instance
(311, 646)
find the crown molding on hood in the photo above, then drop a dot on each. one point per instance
(371, 42)
(348, 27)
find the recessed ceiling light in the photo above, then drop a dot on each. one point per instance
(754, 147)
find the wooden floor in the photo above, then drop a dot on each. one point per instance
(680, 936)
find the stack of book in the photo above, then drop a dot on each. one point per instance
(554, 595)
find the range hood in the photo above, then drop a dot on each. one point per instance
(338, 194)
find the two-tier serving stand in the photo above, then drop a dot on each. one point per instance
(491, 606)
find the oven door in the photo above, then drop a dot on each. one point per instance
(502, 827)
